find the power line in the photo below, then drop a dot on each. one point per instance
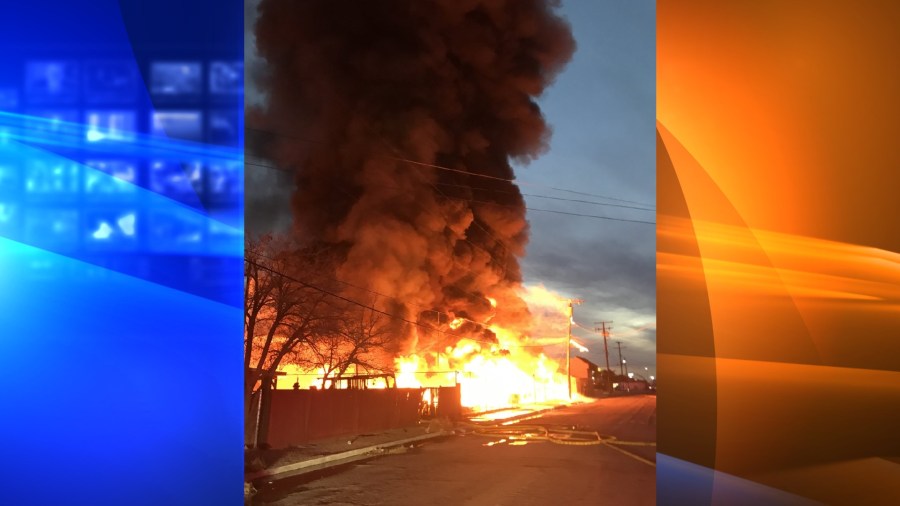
(345, 299)
(582, 327)
(592, 216)
(360, 304)
(486, 231)
(580, 201)
(498, 204)
(389, 315)
(460, 171)
(475, 221)
(374, 292)
(424, 308)
(431, 211)
(548, 210)
(589, 202)
(586, 194)
(449, 169)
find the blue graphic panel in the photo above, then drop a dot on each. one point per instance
(679, 482)
(121, 247)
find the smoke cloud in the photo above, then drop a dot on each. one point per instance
(355, 87)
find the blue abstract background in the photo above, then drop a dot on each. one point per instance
(121, 243)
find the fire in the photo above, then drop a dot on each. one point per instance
(509, 370)
(406, 371)
(490, 377)
(498, 374)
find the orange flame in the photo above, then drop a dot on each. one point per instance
(492, 374)
(498, 374)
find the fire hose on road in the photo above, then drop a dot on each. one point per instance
(562, 435)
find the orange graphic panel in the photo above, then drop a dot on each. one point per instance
(778, 204)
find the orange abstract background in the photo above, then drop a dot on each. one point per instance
(778, 236)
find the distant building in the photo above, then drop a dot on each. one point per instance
(585, 376)
(633, 385)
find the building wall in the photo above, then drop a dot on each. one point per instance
(581, 368)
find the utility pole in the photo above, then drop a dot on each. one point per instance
(621, 362)
(569, 345)
(605, 330)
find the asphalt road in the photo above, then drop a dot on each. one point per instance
(478, 470)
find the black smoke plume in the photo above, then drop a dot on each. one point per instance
(355, 87)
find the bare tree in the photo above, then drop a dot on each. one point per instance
(283, 308)
(366, 333)
(321, 354)
(355, 336)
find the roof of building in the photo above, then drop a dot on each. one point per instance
(589, 363)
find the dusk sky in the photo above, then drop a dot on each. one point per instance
(602, 112)
(602, 109)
